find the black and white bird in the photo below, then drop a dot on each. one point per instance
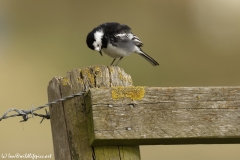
(117, 41)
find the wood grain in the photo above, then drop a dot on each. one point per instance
(168, 115)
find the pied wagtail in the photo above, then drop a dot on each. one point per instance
(117, 41)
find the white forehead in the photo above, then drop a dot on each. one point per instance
(98, 36)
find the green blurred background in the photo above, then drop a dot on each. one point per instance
(196, 42)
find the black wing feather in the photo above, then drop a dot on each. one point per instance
(112, 28)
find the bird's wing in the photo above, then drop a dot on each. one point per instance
(112, 28)
(116, 31)
(129, 36)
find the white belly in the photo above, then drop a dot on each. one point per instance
(115, 52)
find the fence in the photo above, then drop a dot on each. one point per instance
(96, 113)
(113, 117)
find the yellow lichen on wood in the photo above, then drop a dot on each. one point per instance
(79, 79)
(97, 71)
(65, 81)
(134, 93)
(120, 75)
(90, 76)
(129, 79)
(110, 69)
(125, 79)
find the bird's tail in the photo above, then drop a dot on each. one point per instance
(148, 58)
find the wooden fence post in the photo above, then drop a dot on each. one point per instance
(69, 118)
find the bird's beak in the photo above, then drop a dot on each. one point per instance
(100, 52)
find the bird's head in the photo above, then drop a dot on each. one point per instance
(95, 40)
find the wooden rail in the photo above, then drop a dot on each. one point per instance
(164, 115)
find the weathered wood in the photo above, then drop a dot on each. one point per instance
(167, 115)
(69, 118)
(115, 152)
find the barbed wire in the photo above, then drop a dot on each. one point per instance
(24, 113)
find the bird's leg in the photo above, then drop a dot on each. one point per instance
(118, 61)
(112, 61)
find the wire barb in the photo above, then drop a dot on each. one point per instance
(24, 113)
